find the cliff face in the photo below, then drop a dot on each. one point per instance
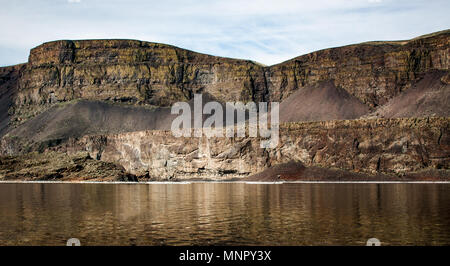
(139, 72)
(387, 146)
(133, 72)
(9, 77)
(103, 96)
(372, 72)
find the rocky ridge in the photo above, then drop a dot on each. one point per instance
(143, 73)
(111, 98)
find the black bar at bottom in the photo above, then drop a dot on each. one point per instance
(229, 255)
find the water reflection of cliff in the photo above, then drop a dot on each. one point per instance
(227, 214)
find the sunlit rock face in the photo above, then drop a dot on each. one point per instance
(144, 73)
(95, 95)
(132, 72)
(388, 146)
(373, 72)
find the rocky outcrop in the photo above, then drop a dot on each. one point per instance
(144, 73)
(373, 72)
(128, 71)
(9, 77)
(111, 98)
(53, 166)
(376, 146)
(429, 96)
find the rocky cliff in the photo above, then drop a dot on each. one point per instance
(111, 98)
(373, 72)
(376, 146)
(131, 72)
(9, 77)
(144, 73)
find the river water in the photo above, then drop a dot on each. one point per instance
(224, 214)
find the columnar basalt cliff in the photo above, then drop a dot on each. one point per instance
(112, 99)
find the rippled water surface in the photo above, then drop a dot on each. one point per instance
(224, 214)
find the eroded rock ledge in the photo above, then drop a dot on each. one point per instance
(373, 146)
(144, 73)
(54, 166)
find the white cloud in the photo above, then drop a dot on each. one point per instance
(261, 30)
(74, 1)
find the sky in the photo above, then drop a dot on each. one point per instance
(266, 31)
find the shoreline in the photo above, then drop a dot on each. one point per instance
(223, 182)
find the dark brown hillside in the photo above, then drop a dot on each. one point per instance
(321, 101)
(430, 96)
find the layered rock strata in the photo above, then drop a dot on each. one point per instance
(386, 146)
(144, 73)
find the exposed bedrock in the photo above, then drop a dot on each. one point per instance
(128, 71)
(144, 73)
(112, 98)
(373, 72)
(388, 146)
